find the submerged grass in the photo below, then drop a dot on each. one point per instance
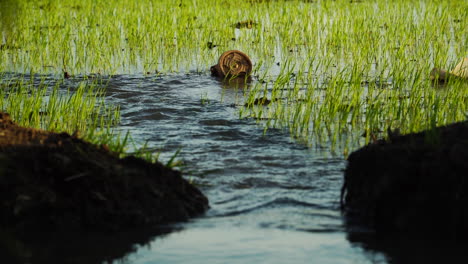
(332, 70)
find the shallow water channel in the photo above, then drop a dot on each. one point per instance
(272, 199)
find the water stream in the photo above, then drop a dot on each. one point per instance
(272, 199)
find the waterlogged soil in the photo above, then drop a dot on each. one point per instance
(56, 181)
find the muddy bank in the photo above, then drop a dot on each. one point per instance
(51, 181)
(411, 184)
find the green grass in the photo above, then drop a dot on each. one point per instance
(42, 104)
(334, 70)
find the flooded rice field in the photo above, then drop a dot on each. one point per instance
(272, 199)
(335, 70)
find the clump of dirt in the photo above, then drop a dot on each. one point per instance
(411, 184)
(55, 181)
(245, 24)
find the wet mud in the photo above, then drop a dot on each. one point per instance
(413, 184)
(56, 181)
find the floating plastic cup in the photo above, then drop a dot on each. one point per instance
(231, 64)
(461, 70)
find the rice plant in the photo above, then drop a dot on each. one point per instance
(335, 72)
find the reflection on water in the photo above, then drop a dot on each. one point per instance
(272, 199)
(248, 245)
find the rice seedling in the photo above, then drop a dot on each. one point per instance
(333, 70)
(83, 112)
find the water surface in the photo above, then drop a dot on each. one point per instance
(272, 199)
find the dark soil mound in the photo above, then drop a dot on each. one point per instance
(60, 182)
(412, 184)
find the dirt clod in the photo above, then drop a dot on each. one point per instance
(411, 184)
(57, 181)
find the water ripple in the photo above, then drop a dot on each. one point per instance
(252, 178)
